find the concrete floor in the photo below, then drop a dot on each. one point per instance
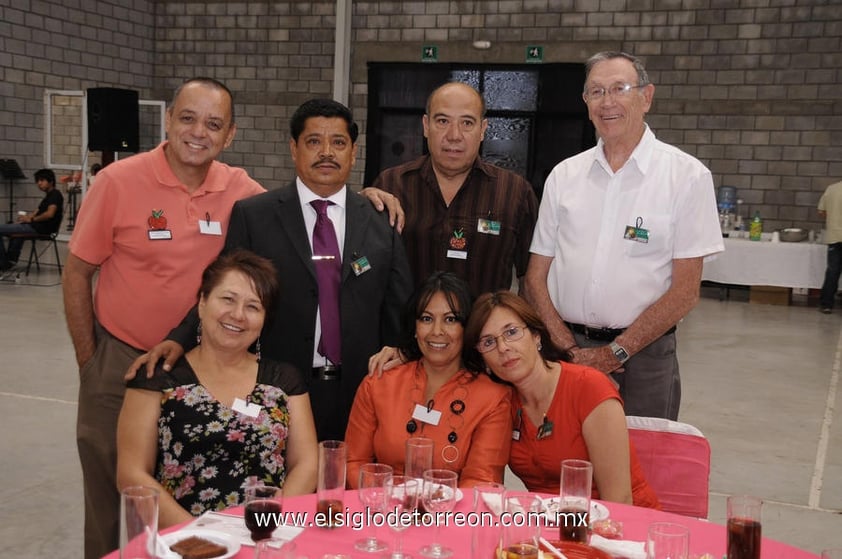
(760, 381)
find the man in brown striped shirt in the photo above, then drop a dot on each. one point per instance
(462, 215)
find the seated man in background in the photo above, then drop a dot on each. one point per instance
(43, 221)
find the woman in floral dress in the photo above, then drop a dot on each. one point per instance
(222, 417)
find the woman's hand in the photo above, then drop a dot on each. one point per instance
(385, 359)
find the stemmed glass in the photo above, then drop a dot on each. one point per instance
(438, 496)
(375, 480)
(402, 501)
(262, 510)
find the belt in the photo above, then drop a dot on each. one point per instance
(601, 334)
(327, 372)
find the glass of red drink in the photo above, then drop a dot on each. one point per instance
(573, 514)
(744, 532)
(262, 510)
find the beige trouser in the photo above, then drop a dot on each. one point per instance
(101, 389)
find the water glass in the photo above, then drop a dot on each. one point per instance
(666, 540)
(744, 533)
(138, 522)
(419, 457)
(375, 483)
(402, 502)
(439, 496)
(330, 485)
(487, 536)
(521, 534)
(275, 548)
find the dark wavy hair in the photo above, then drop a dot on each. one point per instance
(261, 272)
(506, 299)
(458, 296)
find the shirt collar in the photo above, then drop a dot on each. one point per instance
(641, 157)
(306, 195)
(165, 175)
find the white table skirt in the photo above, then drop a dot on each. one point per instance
(780, 264)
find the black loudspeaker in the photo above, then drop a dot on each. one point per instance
(113, 119)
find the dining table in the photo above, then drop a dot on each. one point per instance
(314, 542)
(777, 264)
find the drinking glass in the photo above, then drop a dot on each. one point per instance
(744, 527)
(488, 503)
(666, 540)
(274, 548)
(330, 487)
(438, 496)
(262, 510)
(573, 514)
(419, 457)
(402, 501)
(138, 522)
(523, 529)
(375, 480)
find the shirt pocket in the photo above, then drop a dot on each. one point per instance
(660, 237)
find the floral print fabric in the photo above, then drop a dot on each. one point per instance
(208, 451)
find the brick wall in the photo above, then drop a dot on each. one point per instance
(751, 87)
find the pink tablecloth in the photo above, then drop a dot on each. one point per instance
(314, 542)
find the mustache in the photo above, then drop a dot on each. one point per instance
(330, 162)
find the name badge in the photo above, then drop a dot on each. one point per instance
(636, 232)
(246, 408)
(160, 235)
(210, 227)
(458, 254)
(360, 265)
(430, 416)
(488, 227)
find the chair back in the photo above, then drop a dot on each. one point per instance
(675, 458)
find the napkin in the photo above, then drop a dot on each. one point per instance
(494, 502)
(235, 526)
(619, 548)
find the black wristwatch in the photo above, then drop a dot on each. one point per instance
(619, 352)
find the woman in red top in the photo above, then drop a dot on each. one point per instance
(560, 410)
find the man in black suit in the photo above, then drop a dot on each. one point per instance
(375, 278)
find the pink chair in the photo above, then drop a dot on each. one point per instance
(675, 457)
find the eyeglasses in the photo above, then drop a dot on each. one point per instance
(511, 334)
(595, 93)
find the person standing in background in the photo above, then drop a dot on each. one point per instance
(153, 222)
(830, 209)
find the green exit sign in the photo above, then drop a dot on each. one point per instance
(429, 53)
(534, 54)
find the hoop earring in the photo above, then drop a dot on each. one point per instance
(199, 334)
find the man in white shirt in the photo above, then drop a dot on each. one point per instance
(622, 231)
(830, 209)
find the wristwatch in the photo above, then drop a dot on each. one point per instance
(619, 352)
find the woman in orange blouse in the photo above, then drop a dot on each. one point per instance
(432, 395)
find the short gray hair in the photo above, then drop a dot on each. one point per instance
(642, 76)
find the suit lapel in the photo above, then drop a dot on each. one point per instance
(291, 221)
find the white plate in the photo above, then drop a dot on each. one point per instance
(220, 538)
(598, 510)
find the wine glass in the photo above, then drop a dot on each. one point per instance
(438, 496)
(375, 480)
(401, 503)
(262, 510)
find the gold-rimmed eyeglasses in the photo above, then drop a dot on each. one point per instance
(510, 334)
(597, 92)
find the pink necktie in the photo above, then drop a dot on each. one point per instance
(328, 272)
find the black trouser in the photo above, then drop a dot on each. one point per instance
(831, 275)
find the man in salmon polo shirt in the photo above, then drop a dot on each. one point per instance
(150, 225)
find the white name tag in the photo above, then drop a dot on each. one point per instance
(246, 408)
(458, 254)
(421, 413)
(209, 227)
(160, 234)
